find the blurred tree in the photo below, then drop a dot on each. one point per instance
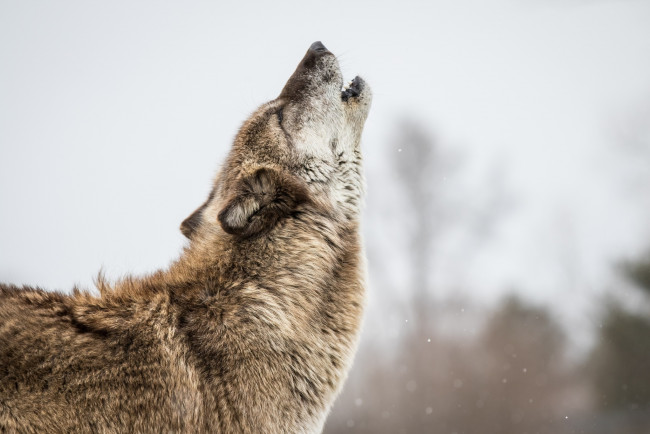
(621, 358)
(523, 369)
(638, 272)
(420, 167)
(621, 361)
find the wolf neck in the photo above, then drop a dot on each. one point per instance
(292, 309)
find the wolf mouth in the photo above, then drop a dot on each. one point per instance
(352, 89)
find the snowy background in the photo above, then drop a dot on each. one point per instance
(507, 156)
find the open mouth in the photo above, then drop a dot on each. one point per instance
(352, 89)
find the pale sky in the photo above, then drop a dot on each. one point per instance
(115, 115)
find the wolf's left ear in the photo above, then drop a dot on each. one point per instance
(260, 200)
(191, 224)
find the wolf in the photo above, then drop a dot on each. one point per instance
(252, 329)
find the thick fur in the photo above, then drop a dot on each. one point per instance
(252, 329)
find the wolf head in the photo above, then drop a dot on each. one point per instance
(301, 147)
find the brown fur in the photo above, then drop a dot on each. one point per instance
(251, 330)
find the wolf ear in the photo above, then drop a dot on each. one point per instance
(259, 201)
(192, 223)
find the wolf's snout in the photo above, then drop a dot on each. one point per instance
(315, 53)
(315, 70)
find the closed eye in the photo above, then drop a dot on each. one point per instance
(280, 115)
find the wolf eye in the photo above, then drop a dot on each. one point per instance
(279, 113)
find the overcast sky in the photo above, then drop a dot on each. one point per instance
(115, 115)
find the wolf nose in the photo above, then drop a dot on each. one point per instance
(318, 47)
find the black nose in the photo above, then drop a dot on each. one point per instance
(317, 47)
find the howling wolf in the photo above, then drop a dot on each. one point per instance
(252, 329)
